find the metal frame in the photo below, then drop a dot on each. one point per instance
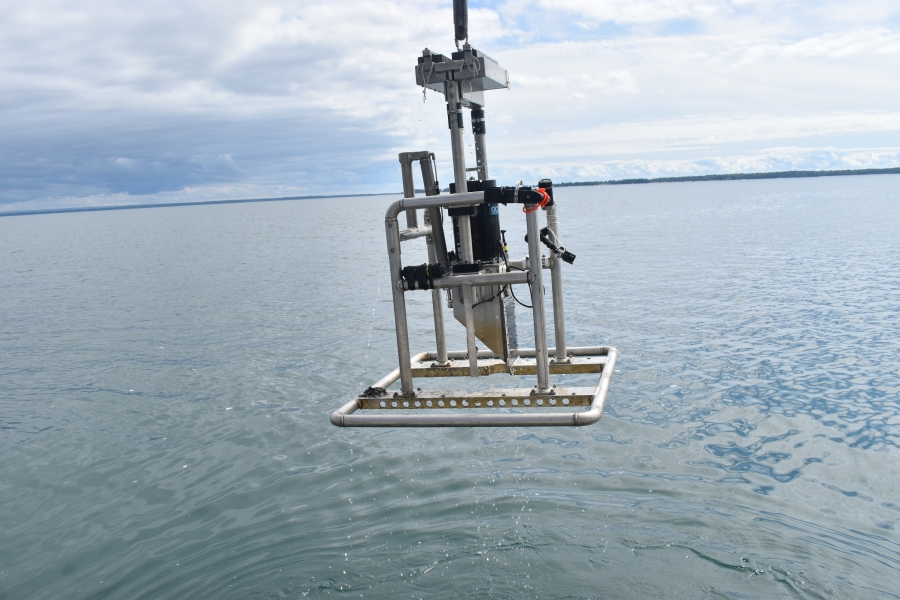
(463, 78)
(508, 399)
(574, 360)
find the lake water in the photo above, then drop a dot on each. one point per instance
(166, 377)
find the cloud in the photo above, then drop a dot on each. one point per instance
(608, 83)
(635, 11)
(845, 44)
(168, 91)
(766, 160)
(701, 133)
(113, 101)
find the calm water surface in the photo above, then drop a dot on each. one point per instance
(166, 377)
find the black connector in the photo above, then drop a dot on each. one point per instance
(560, 251)
(421, 277)
(506, 195)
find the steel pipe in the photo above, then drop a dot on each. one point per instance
(537, 300)
(466, 254)
(469, 317)
(457, 148)
(436, 218)
(392, 232)
(429, 179)
(468, 298)
(414, 232)
(409, 188)
(449, 201)
(483, 279)
(528, 352)
(437, 306)
(593, 415)
(559, 317)
(522, 264)
(455, 420)
(453, 96)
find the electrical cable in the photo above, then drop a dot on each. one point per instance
(516, 299)
(509, 287)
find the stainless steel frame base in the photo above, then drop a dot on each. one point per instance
(494, 408)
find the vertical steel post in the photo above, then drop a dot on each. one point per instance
(559, 317)
(409, 187)
(436, 304)
(541, 356)
(392, 230)
(437, 253)
(455, 118)
(429, 178)
(469, 314)
(455, 121)
(466, 254)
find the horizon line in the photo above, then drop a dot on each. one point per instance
(71, 209)
(686, 178)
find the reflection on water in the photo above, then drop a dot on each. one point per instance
(167, 374)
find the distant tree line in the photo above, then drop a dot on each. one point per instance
(727, 176)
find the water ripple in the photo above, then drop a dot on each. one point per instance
(167, 375)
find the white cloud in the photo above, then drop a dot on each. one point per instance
(635, 11)
(847, 44)
(608, 83)
(698, 133)
(86, 87)
(114, 100)
(766, 160)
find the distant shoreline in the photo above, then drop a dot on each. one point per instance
(732, 176)
(724, 177)
(52, 211)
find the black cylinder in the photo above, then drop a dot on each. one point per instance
(548, 187)
(486, 244)
(421, 277)
(485, 224)
(461, 19)
(478, 121)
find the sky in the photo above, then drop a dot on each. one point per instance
(108, 102)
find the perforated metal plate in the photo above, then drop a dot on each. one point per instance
(508, 398)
